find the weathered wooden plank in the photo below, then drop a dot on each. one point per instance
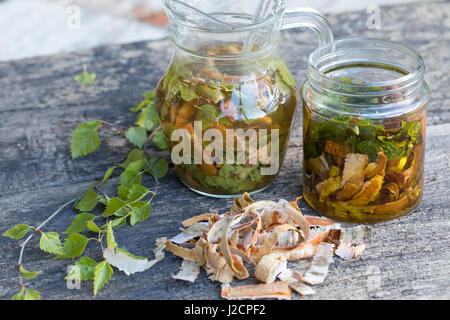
(41, 104)
(410, 254)
(126, 71)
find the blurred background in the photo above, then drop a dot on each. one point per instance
(31, 28)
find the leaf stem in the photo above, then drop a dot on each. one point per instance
(22, 246)
(153, 133)
(112, 124)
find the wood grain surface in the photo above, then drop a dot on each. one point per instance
(40, 105)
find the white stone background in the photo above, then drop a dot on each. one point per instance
(40, 27)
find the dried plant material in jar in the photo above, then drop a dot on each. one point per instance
(364, 123)
(236, 119)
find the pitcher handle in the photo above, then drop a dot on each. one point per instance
(309, 18)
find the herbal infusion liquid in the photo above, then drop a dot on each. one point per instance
(364, 130)
(262, 102)
(227, 100)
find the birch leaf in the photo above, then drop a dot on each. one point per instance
(88, 202)
(28, 274)
(27, 294)
(17, 232)
(84, 269)
(85, 139)
(140, 212)
(73, 246)
(137, 136)
(79, 223)
(115, 207)
(50, 243)
(102, 274)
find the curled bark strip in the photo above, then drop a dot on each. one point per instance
(381, 165)
(329, 186)
(214, 258)
(195, 254)
(269, 242)
(354, 166)
(277, 290)
(346, 251)
(305, 250)
(400, 178)
(319, 221)
(388, 208)
(369, 191)
(295, 278)
(351, 187)
(217, 266)
(234, 239)
(370, 171)
(265, 234)
(202, 217)
(269, 267)
(215, 230)
(251, 235)
(238, 265)
(282, 210)
(290, 239)
(318, 167)
(318, 271)
(241, 203)
(195, 230)
(222, 228)
(239, 269)
(188, 272)
(246, 258)
(355, 235)
(335, 149)
(224, 275)
(295, 203)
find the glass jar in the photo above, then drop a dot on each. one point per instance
(364, 124)
(227, 101)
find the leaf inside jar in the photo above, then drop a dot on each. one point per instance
(392, 178)
(255, 95)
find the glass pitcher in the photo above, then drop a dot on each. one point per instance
(227, 101)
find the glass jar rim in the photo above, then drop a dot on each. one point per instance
(411, 77)
(277, 14)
